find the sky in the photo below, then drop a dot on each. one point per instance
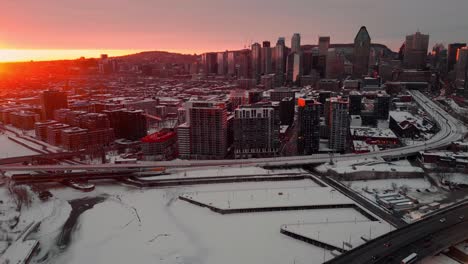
(90, 27)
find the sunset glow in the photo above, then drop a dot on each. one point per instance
(14, 55)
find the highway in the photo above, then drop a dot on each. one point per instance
(425, 238)
(451, 130)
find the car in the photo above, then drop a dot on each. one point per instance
(442, 220)
(461, 217)
(388, 244)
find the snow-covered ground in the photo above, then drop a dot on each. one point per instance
(10, 148)
(153, 226)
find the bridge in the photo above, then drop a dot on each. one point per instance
(427, 237)
(451, 130)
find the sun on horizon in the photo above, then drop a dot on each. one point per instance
(21, 55)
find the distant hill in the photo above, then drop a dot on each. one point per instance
(158, 56)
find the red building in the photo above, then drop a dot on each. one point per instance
(160, 145)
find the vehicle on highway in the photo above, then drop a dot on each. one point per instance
(442, 220)
(461, 217)
(411, 258)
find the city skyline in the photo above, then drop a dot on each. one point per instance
(43, 30)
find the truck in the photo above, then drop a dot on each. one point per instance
(411, 258)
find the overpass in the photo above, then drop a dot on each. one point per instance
(425, 238)
(451, 130)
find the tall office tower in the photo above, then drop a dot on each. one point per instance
(307, 62)
(323, 45)
(281, 41)
(415, 52)
(308, 137)
(334, 64)
(52, 100)
(462, 63)
(266, 66)
(208, 130)
(338, 123)
(362, 44)
(382, 105)
(279, 62)
(296, 43)
(452, 54)
(355, 103)
(209, 62)
(256, 61)
(294, 68)
(244, 64)
(256, 132)
(222, 63)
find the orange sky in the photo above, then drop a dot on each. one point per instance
(67, 29)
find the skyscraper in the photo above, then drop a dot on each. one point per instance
(308, 138)
(323, 45)
(279, 61)
(452, 54)
(461, 65)
(338, 123)
(244, 64)
(294, 67)
(296, 43)
(415, 52)
(362, 43)
(256, 132)
(231, 63)
(256, 61)
(52, 100)
(266, 66)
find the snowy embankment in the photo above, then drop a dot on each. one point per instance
(46, 217)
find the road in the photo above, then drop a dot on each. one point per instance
(450, 130)
(425, 238)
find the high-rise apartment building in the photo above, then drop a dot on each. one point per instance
(338, 123)
(208, 130)
(382, 105)
(362, 43)
(308, 138)
(222, 63)
(52, 100)
(256, 132)
(209, 62)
